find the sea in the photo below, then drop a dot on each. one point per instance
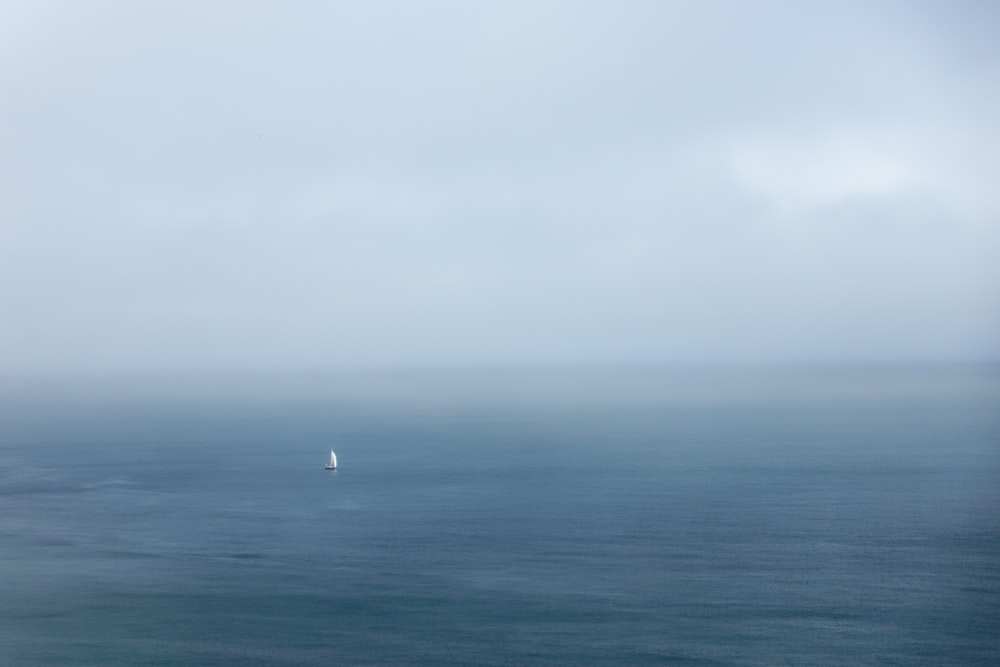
(755, 516)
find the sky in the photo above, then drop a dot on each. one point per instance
(341, 185)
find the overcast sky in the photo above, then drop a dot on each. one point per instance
(240, 185)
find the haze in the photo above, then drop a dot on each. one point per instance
(205, 186)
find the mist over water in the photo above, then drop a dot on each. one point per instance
(754, 516)
(633, 224)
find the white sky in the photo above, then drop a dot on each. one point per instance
(299, 185)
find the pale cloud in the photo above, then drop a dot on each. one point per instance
(802, 174)
(320, 185)
(796, 176)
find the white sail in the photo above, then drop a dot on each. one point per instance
(333, 459)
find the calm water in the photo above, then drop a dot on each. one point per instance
(754, 518)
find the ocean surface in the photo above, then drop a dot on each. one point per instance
(752, 517)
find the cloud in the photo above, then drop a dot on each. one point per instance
(394, 183)
(795, 175)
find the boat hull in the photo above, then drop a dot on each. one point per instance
(330, 467)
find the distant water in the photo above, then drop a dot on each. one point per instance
(824, 517)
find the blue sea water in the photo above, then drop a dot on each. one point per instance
(755, 517)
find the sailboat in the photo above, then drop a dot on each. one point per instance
(332, 465)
